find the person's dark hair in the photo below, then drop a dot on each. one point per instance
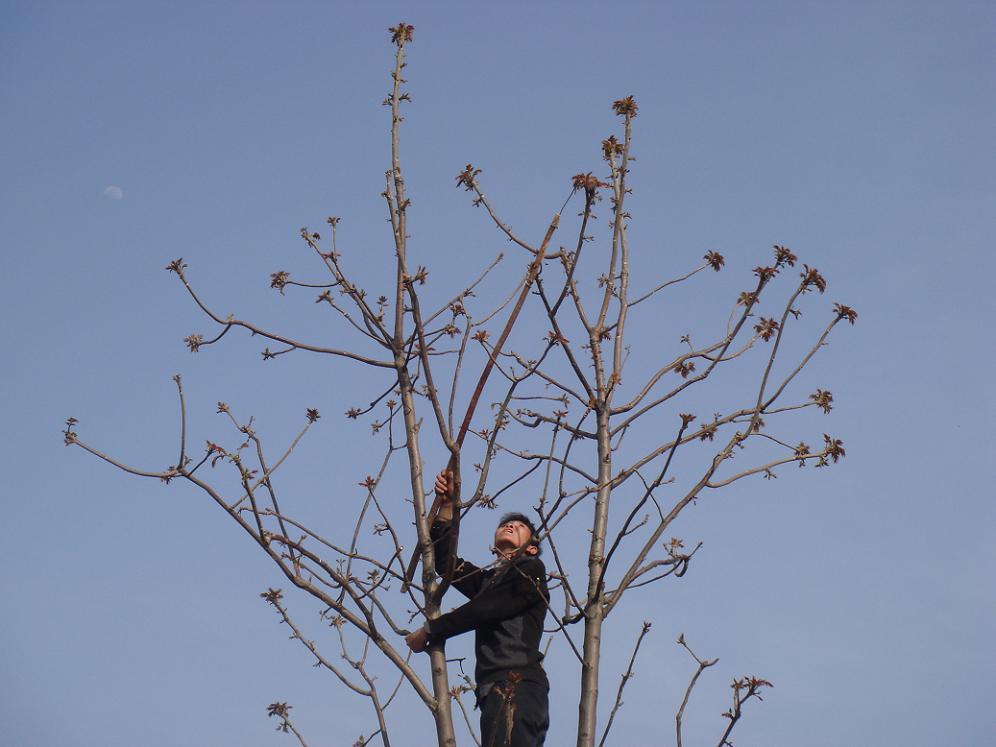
(534, 536)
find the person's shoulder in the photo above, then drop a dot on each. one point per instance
(532, 572)
(532, 566)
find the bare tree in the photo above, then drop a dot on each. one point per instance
(598, 449)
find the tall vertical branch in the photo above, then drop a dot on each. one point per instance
(627, 107)
(594, 612)
(398, 203)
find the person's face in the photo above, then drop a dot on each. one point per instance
(512, 536)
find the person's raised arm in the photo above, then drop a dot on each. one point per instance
(466, 576)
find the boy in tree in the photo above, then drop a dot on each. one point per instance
(507, 605)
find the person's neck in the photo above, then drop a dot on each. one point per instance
(508, 556)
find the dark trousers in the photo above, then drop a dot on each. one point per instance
(515, 715)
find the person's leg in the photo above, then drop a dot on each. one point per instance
(492, 707)
(515, 716)
(532, 715)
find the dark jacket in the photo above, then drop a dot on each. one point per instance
(506, 610)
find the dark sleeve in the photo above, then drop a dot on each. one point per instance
(521, 586)
(467, 577)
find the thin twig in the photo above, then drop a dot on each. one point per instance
(622, 684)
(703, 664)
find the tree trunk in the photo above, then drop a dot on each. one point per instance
(443, 715)
(588, 705)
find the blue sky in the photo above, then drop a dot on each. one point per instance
(858, 134)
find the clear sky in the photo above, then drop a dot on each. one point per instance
(860, 134)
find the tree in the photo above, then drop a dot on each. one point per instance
(563, 420)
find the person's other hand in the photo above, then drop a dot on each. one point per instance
(418, 641)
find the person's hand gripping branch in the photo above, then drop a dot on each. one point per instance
(444, 494)
(419, 640)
